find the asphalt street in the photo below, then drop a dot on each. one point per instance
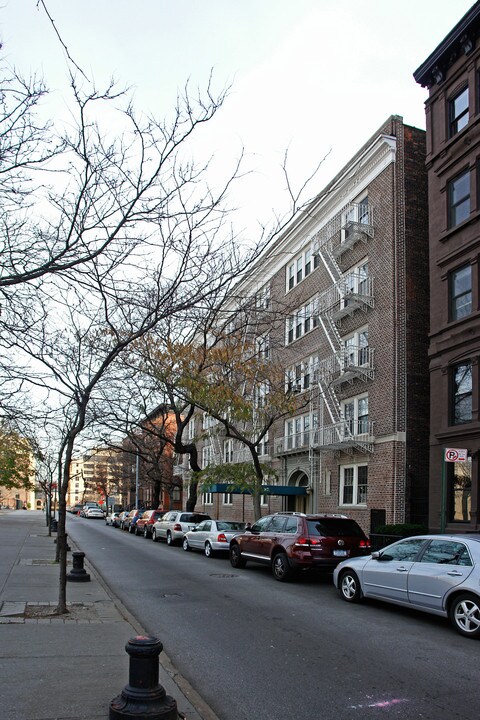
(253, 647)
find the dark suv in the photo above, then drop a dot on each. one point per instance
(290, 542)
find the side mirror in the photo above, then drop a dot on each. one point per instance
(376, 555)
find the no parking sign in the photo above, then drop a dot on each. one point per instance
(455, 455)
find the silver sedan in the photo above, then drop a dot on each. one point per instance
(212, 536)
(438, 574)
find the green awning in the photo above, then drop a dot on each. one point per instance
(266, 489)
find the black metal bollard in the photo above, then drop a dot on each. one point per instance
(54, 525)
(143, 698)
(78, 573)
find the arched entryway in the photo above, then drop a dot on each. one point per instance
(298, 503)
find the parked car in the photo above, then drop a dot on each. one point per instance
(212, 536)
(76, 509)
(174, 524)
(86, 506)
(290, 542)
(144, 524)
(111, 518)
(94, 513)
(439, 574)
(130, 520)
(121, 519)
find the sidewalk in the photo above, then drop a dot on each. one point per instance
(70, 667)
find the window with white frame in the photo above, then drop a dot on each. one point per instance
(301, 322)
(299, 431)
(208, 498)
(355, 413)
(353, 484)
(227, 499)
(262, 298)
(262, 447)
(208, 421)
(357, 281)
(300, 376)
(355, 348)
(263, 346)
(299, 268)
(260, 396)
(191, 429)
(264, 500)
(228, 451)
(207, 456)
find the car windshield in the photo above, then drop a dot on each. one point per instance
(230, 526)
(338, 527)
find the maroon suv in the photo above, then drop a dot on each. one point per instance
(290, 542)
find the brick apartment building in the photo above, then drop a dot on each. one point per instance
(349, 280)
(452, 74)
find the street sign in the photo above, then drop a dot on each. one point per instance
(455, 455)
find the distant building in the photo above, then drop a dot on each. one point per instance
(452, 75)
(348, 279)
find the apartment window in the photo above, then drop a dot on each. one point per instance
(228, 451)
(207, 455)
(300, 376)
(353, 484)
(462, 393)
(227, 499)
(458, 112)
(356, 349)
(264, 500)
(300, 430)
(262, 447)
(262, 299)
(355, 413)
(459, 199)
(291, 276)
(208, 421)
(263, 347)
(304, 320)
(300, 268)
(208, 498)
(308, 262)
(460, 292)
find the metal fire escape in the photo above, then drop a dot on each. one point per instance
(348, 293)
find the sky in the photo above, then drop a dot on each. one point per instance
(318, 77)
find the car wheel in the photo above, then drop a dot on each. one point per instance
(169, 538)
(281, 568)
(349, 585)
(154, 535)
(465, 614)
(236, 559)
(145, 532)
(208, 550)
(185, 544)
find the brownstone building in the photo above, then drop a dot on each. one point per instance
(452, 75)
(348, 279)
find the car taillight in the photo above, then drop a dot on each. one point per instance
(177, 527)
(365, 543)
(221, 538)
(308, 541)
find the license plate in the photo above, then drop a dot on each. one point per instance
(340, 553)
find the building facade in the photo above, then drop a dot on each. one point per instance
(347, 290)
(452, 75)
